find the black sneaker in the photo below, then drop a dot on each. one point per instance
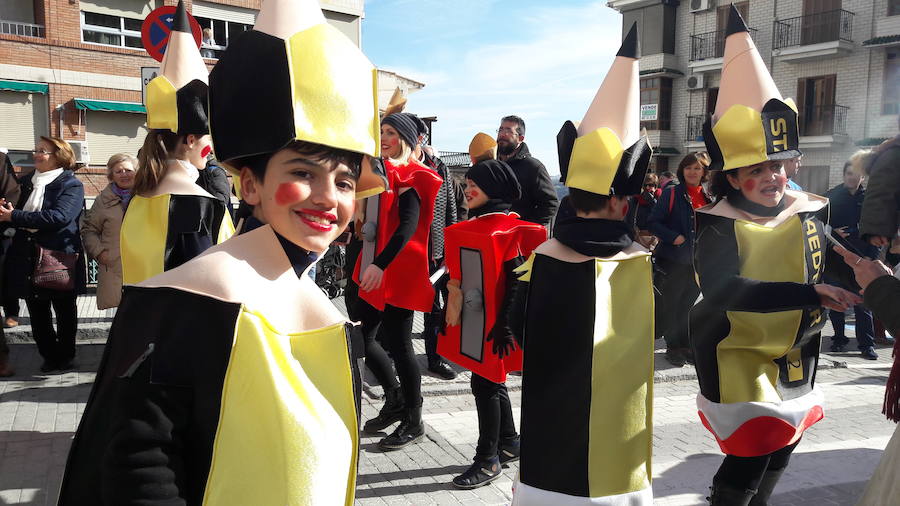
(479, 474)
(48, 366)
(410, 431)
(838, 348)
(509, 451)
(675, 357)
(442, 370)
(869, 354)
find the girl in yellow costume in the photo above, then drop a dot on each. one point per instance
(229, 380)
(760, 253)
(171, 219)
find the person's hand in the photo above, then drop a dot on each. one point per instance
(864, 269)
(371, 278)
(836, 298)
(103, 258)
(879, 241)
(842, 231)
(679, 240)
(502, 341)
(6, 210)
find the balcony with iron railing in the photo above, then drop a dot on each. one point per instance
(813, 36)
(707, 50)
(693, 132)
(20, 28)
(823, 120)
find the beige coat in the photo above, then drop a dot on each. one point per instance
(100, 228)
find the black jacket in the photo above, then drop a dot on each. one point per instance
(881, 209)
(538, 203)
(57, 228)
(668, 223)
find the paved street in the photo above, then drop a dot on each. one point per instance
(39, 414)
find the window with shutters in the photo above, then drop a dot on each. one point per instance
(890, 95)
(656, 103)
(893, 7)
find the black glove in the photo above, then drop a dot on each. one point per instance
(503, 342)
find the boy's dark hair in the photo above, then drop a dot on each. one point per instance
(520, 123)
(316, 152)
(586, 201)
(719, 186)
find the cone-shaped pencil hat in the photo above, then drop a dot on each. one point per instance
(483, 147)
(752, 123)
(177, 97)
(294, 77)
(397, 103)
(606, 154)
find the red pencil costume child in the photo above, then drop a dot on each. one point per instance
(481, 254)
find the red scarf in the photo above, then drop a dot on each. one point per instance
(698, 199)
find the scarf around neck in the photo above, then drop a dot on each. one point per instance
(39, 181)
(124, 195)
(738, 200)
(593, 237)
(491, 206)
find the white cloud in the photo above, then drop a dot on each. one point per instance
(547, 72)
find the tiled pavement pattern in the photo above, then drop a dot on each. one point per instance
(39, 413)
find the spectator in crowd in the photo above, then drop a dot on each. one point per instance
(881, 207)
(846, 201)
(672, 221)
(101, 224)
(46, 220)
(445, 214)
(9, 192)
(881, 292)
(791, 169)
(640, 207)
(539, 201)
(667, 179)
(206, 44)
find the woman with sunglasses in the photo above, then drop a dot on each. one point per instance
(46, 220)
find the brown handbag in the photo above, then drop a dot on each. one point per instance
(54, 270)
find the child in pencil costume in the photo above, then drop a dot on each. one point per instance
(588, 320)
(481, 254)
(760, 253)
(171, 219)
(229, 380)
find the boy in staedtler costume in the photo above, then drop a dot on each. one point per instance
(588, 320)
(229, 380)
(481, 254)
(171, 219)
(759, 254)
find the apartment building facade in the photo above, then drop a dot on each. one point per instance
(72, 69)
(838, 59)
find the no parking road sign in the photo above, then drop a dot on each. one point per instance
(156, 28)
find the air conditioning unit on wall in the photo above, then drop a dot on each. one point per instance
(700, 5)
(82, 155)
(696, 82)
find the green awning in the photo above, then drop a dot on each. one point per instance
(103, 105)
(26, 87)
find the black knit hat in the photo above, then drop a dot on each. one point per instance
(405, 126)
(496, 179)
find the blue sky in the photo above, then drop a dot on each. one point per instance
(484, 59)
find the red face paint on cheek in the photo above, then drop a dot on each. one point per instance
(288, 193)
(749, 185)
(781, 179)
(625, 210)
(206, 151)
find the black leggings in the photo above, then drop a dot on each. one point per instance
(394, 327)
(495, 416)
(745, 473)
(678, 292)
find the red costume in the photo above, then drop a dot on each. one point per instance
(405, 283)
(482, 246)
